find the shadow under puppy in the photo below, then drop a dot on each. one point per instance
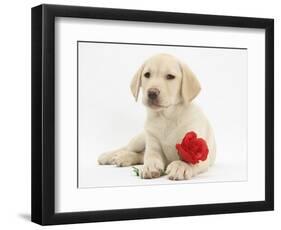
(168, 88)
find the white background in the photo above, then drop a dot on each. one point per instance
(69, 198)
(109, 116)
(15, 116)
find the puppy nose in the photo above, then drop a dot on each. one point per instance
(153, 93)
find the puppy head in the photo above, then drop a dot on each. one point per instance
(165, 82)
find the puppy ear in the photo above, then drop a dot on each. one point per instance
(136, 83)
(190, 87)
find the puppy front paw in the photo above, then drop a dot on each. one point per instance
(153, 168)
(179, 170)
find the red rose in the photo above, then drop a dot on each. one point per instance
(192, 149)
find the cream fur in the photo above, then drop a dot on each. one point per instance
(167, 122)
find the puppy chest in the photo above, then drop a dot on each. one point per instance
(168, 137)
(168, 145)
(168, 134)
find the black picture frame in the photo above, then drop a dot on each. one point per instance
(43, 114)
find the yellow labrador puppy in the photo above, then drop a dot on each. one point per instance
(168, 88)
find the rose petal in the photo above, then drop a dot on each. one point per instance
(192, 149)
(184, 155)
(188, 137)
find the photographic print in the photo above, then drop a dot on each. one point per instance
(145, 114)
(152, 114)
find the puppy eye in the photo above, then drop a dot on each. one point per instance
(170, 77)
(147, 75)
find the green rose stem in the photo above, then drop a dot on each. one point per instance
(137, 171)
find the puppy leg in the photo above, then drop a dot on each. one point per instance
(126, 158)
(154, 162)
(107, 158)
(131, 154)
(180, 170)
